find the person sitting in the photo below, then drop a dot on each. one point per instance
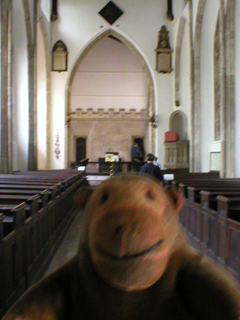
(150, 168)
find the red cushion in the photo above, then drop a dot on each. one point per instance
(171, 136)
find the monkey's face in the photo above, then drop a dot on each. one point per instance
(131, 227)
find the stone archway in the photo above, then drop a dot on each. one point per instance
(178, 123)
(151, 91)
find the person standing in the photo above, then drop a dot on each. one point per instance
(156, 163)
(136, 155)
(150, 168)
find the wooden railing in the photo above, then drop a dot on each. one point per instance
(211, 218)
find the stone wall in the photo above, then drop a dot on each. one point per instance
(107, 131)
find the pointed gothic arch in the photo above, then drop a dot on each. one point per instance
(151, 88)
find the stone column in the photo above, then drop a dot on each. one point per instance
(191, 149)
(196, 156)
(230, 87)
(222, 88)
(4, 156)
(31, 36)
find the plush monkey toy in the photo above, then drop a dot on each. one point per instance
(133, 263)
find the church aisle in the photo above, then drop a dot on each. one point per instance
(69, 246)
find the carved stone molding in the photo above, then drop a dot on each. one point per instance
(177, 155)
(122, 115)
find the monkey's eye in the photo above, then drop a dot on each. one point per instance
(150, 195)
(104, 198)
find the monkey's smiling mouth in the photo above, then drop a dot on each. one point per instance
(128, 257)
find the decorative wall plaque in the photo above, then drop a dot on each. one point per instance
(59, 57)
(110, 12)
(163, 52)
(215, 161)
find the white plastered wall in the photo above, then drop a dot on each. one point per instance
(77, 26)
(46, 8)
(110, 76)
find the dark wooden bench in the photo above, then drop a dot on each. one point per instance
(31, 241)
(14, 253)
(34, 227)
(206, 185)
(213, 223)
(64, 176)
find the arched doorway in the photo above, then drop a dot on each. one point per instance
(80, 149)
(150, 136)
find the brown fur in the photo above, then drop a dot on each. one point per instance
(133, 263)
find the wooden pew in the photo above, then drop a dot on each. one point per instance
(48, 212)
(33, 227)
(2, 306)
(51, 190)
(229, 219)
(205, 185)
(213, 224)
(14, 253)
(61, 176)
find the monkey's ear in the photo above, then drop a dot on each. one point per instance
(82, 195)
(177, 199)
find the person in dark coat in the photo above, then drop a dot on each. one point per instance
(152, 169)
(136, 157)
(135, 151)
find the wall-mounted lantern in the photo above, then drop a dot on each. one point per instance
(163, 52)
(59, 57)
(153, 121)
